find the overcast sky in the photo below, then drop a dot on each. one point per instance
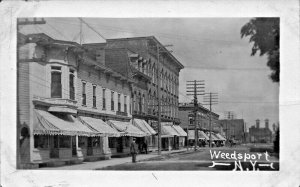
(211, 49)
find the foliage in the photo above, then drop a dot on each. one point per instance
(276, 142)
(264, 33)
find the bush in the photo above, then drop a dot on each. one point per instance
(276, 142)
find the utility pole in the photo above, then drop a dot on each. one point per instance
(196, 89)
(210, 98)
(34, 21)
(158, 101)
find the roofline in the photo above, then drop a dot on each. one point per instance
(155, 40)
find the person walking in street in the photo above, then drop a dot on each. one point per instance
(133, 150)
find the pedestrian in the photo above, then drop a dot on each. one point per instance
(146, 146)
(133, 150)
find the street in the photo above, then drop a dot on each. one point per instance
(202, 160)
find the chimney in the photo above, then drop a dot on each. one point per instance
(267, 123)
(257, 123)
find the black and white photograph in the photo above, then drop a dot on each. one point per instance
(92, 93)
(121, 94)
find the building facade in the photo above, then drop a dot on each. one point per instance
(71, 107)
(260, 135)
(234, 129)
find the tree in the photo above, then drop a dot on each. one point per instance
(264, 33)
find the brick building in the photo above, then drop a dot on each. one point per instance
(260, 135)
(234, 129)
(136, 58)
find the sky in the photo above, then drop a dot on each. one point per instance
(211, 49)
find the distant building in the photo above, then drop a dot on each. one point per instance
(234, 129)
(260, 135)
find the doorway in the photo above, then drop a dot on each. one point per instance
(54, 151)
(90, 146)
(74, 148)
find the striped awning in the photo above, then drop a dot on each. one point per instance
(47, 124)
(143, 126)
(220, 137)
(180, 131)
(99, 126)
(126, 128)
(202, 135)
(168, 131)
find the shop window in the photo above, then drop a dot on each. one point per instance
(127, 141)
(96, 141)
(64, 141)
(81, 141)
(111, 142)
(56, 86)
(41, 141)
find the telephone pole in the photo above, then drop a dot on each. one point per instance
(195, 88)
(211, 99)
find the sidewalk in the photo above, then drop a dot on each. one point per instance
(111, 162)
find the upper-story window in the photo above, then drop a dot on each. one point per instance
(94, 96)
(119, 102)
(56, 86)
(103, 100)
(112, 106)
(125, 103)
(83, 93)
(71, 85)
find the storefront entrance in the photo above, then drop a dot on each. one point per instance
(90, 146)
(74, 149)
(54, 152)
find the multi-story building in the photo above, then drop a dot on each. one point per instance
(260, 135)
(137, 58)
(71, 107)
(234, 129)
(187, 119)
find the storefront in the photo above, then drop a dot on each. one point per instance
(94, 148)
(121, 145)
(150, 135)
(56, 138)
(169, 137)
(181, 137)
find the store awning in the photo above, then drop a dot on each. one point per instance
(202, 135)
(47, 124)
(143, 126)
(213, 137)
(126, 128)
(180, 131)
(100, 126)
(168, 131)
(220, 137)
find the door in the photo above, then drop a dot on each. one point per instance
(74, 148)
(120, 145)
(54, 151)
(90, 146)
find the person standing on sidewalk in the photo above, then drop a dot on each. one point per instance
(133, 150)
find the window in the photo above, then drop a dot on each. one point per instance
(140, 103)
(64, 141)
(96, 141)
(125, 104)
(83, 93)
(103, 99)
(111, 142)
(56, 87)
(119, 102)
(82, 141)
(41, 141)
(71, 85)
(143, 103)
(94, 96)
(112, 101)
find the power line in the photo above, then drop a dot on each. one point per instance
(92, 28)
